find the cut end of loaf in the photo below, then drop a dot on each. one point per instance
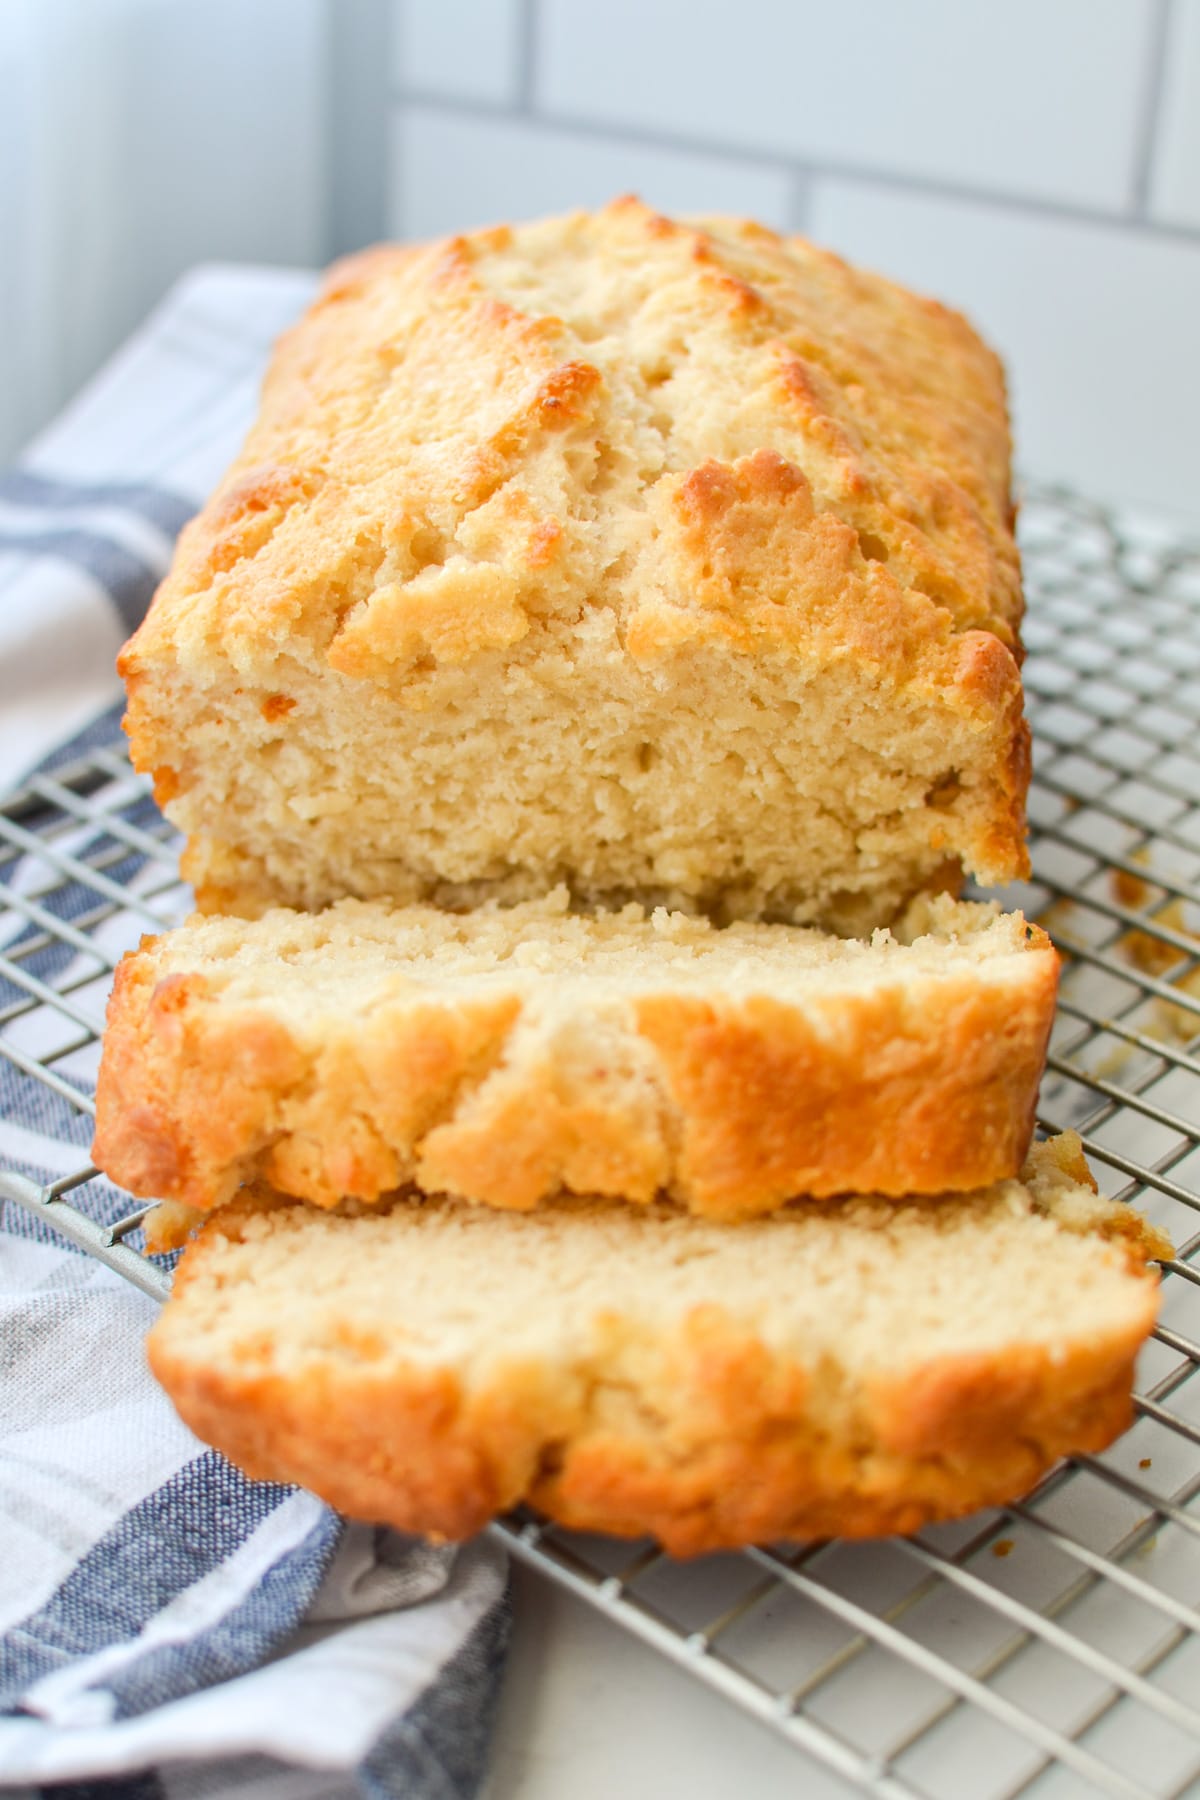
(660, 558)
(858, 1368)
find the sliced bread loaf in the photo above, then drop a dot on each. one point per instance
(506, 1055)
(855, 1367)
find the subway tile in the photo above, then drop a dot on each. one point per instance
(1025, 99)
(1175, 179)
(1097, 324)
(452, 172)
(465, 49)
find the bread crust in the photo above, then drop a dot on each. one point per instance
(414, 1451)
(732, 1105)
(697, 1433)
(452, 476)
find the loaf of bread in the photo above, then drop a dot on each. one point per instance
(665, 560)
(855, 1367)
(507, 1055)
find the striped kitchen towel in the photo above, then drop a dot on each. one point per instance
(167, 1626)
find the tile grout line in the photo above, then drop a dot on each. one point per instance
(800, 202)
(394, 224)
(528, 33)
(799, 168)
(357, 201)
(1151, 105)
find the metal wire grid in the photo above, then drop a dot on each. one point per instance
(1051, 1648)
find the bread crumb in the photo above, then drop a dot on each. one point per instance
(1003, 1547)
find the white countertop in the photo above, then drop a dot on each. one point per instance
(588, 1713)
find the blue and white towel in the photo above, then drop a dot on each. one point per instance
(166, 1626)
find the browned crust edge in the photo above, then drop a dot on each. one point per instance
(757, 1101)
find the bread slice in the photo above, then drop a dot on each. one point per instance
(854, 1368)
(668, 560)
(508, 1055)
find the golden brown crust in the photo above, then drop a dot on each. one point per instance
(887, 1094)
(735, 1105)
(946, 1442)
(468, 448)
(193, 1099)
(696, 1432)
(411, 1450)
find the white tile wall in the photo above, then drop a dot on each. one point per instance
(1035, 97)
(1097, 326)
(1175, 190)
(138, 139)
(454, 171)
(207, 160)
(1037, 163)
(460, 49)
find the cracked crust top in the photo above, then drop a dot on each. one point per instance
(752, 383)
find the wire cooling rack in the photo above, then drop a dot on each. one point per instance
(1052, 1648)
